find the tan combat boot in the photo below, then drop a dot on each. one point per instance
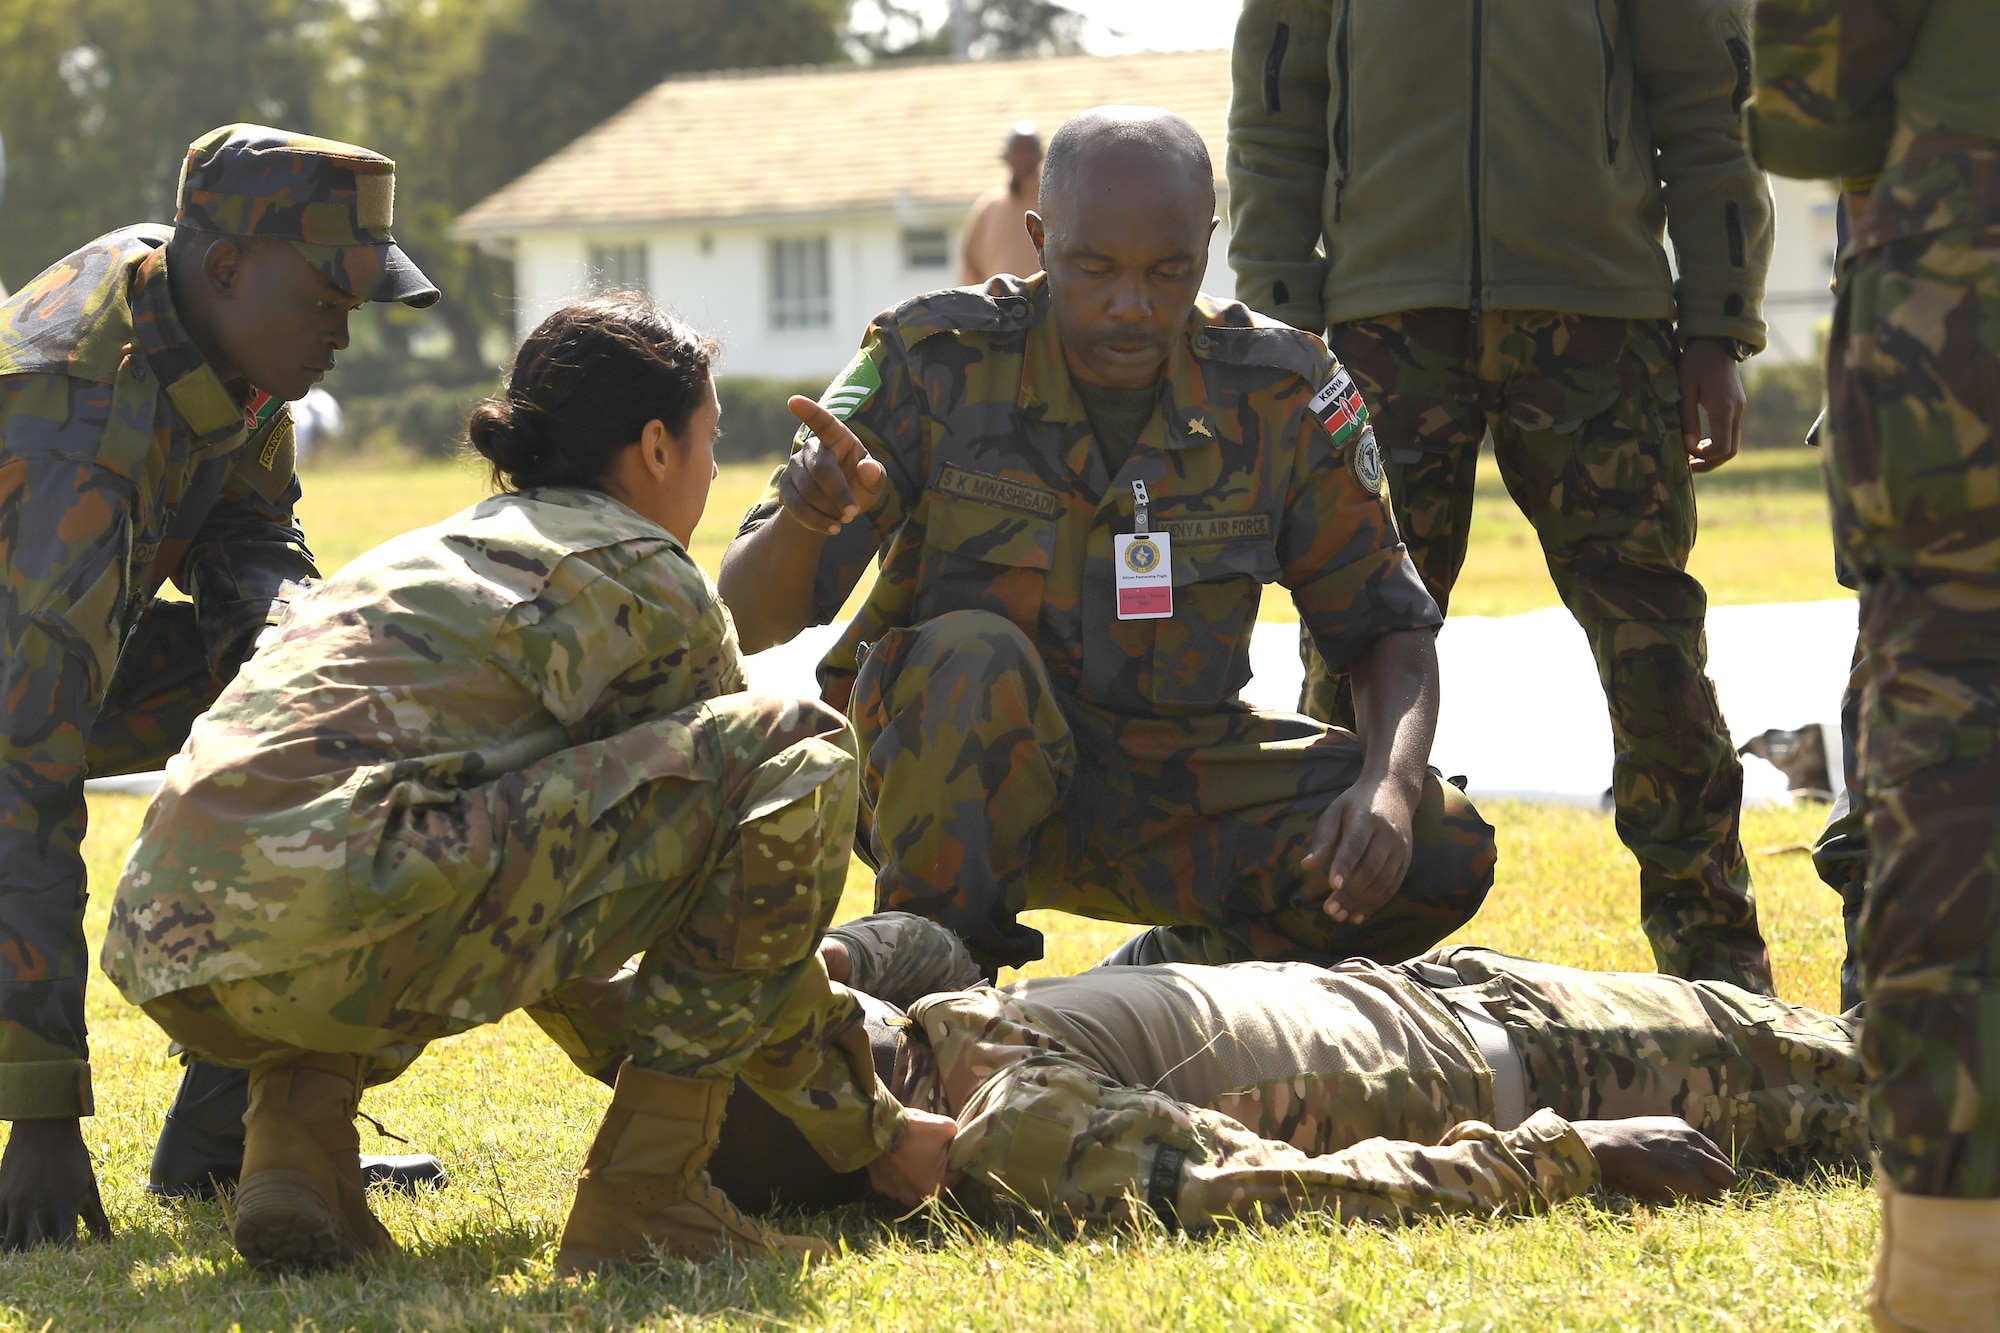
(1937, 1266)
(645, 1185)
(302, 1201)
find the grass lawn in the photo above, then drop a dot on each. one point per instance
(511, 1119)
(1763, 528)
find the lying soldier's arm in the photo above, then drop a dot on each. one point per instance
(1051, 1133)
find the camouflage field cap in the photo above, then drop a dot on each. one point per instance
(333, 201)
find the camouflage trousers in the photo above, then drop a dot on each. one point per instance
(1840, 854)
(49, 742)
(1773, 1085)
(1914, 478)
(987, 792)
(680, 927)
(1581, 412)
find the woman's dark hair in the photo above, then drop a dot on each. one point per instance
(585, 383)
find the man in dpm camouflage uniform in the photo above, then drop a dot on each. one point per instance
(144, 437)
(1470, 200)
(1078, 486)
(1899, 99)
(1468, 1081)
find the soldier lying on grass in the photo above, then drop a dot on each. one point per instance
(1464, 1082)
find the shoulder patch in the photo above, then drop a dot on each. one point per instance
(1364, 460)
(1339, 407)
(853, 387)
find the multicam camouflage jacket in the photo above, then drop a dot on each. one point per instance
(1259, 462)
(440, 660)
(124, 462)
(1834, 77)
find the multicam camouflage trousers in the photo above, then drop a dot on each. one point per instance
(986, 793)
(717, 883)
(1914, 476)
(1586, 435)
(1773, 1085)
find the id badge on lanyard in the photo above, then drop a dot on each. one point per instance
(1143, 565)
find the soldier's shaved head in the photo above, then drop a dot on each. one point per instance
(1147, 139)
(1127, 209)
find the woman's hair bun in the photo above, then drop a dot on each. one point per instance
(504, 435)
(583, 387)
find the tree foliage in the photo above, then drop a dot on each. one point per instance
(99, 99)
(899, 29)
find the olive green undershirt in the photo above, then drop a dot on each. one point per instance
(1117, 418)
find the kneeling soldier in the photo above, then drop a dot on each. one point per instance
(480, 769)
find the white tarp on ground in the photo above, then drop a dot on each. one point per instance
(1523, 714)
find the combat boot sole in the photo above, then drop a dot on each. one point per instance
(607, 1228)
(285, 1221)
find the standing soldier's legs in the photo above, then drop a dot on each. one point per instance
(1914, 368)
(1840, 855)
(965, 753)
(1417, 371)
(1590, 448)
(1773, 1084)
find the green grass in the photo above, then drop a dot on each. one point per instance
(1764, 534)
(511, 1119)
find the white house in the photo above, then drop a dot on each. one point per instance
(781, 210)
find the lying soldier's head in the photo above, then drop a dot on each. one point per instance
(763, 1162)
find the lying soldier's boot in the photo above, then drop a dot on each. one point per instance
(200, 1148)
(201, 1143)
(1937, 1265)
(302, 1202)
(645, 1184)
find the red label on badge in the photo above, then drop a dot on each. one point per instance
(1157, 601)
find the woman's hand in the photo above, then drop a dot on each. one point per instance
(913, 1168)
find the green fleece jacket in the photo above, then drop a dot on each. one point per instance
(1387, 155)
(1834, 76)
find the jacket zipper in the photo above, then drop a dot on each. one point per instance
(1610, 63)
(1274, 66)
(1478, 60)
(1340, 129)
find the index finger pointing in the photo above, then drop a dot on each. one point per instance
(832, 431)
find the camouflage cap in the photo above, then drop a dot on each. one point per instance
(332, 201)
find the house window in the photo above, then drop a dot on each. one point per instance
(618, 268)
(926, 247)
(801, 283)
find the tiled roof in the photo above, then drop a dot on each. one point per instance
(834, 138)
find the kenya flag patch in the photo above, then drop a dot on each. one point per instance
(1339, 407)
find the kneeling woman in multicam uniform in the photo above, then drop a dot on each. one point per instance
(478, 770)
